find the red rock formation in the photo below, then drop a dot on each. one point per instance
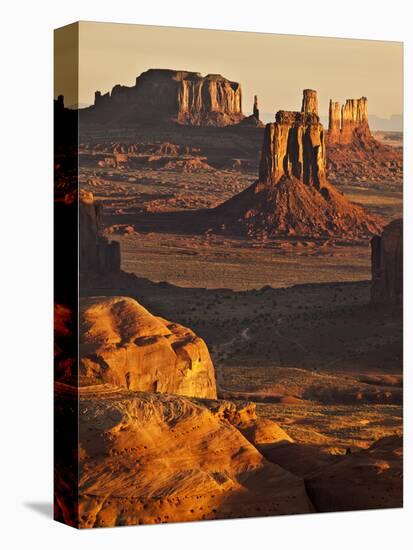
(387, 264)
(353, 154)
(121, 343)
(148, 458)
(292, 195)
(168, 95)
(310, 102)
(96, 253)
(351, 123)
(334, 119)
(294, 146)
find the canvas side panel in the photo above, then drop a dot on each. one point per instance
(66, 62)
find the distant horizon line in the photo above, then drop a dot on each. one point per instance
(247, 113)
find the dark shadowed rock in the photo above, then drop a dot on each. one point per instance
(365, 480)
(255, 110)
(171, 96)
(387, 264)
(96, 252)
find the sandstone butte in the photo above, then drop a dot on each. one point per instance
(292, 195)
(349, 122)
(168, 95)
(387, 264)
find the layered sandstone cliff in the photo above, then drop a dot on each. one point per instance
(292, 195)
(294, 146)
(348, 123)
(122, 343)
(387, 264)
(96, 252)
(354, 155)
(175, 96)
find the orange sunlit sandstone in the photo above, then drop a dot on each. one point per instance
(228, 289)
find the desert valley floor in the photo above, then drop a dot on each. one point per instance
(288, 321)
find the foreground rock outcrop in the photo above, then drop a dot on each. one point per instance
(292, 195)
(387, 264)
(168, 95)
(158, 458)
(96, 252)
(121, 343)
(365, 480)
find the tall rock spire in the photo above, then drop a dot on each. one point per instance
(255, 110)
(310, 102)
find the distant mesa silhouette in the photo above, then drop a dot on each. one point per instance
(168, 95)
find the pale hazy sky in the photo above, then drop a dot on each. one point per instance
(275, 67)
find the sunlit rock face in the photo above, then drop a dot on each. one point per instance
(292, 195)
(149, 458)
(349, 122)
(294, 146)
(387, 264)
(123, 344)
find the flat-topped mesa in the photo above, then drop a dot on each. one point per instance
(202, 97)
(348, 123)
(294, 146)
(310, 102)
(255, 110)
(177, 96)
(96, 253)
